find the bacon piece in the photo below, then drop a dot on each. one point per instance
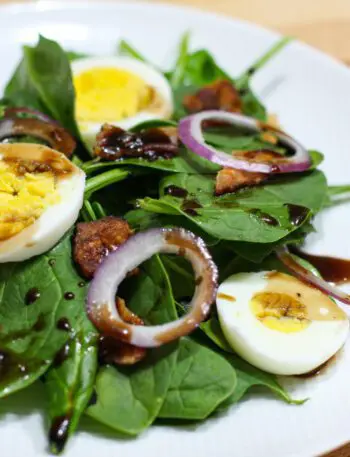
(94, 240)
(228, 180)
(221, 95)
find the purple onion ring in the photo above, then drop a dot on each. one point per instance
(191, 134)
(55, 136)
(103, 288)
(305, 275)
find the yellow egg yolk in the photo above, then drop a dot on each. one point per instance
(280, 311)
(110, 94)
(288, 305)
(26, 190)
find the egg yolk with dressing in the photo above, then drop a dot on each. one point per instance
(110, 94)
(288, 306)
(26, 190)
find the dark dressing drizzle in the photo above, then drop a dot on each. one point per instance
(59, 432)
(52, 262)
(61, 355)
(176, 191)
(32, 296)
(69, 296)
(189, 207)
(63, 324)
(297, 213)
(266, 218)
(81, 284)
(332, 269)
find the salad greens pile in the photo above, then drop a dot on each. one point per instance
(50, 340)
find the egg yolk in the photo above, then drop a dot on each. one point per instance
(288, 305)
(26, 190)
(279, 311)
(110, 94)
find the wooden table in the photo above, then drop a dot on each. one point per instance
(324, 24)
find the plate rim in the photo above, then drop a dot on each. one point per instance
(39, 6)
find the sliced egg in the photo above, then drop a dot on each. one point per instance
(41, 193)
(279, 324)
(118, 90)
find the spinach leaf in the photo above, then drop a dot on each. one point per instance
(201, 380)
(70, 383)
(129, 398)
(240, 216)
(125, 49)
(43, 80)
(247, 375)
(32, 308)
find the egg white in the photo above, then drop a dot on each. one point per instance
(268, 349)
(146, 72)
(53, 223)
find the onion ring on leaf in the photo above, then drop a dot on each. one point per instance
(191, 135)
(305, 275)
(55, 136)
(103, 288)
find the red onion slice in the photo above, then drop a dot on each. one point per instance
(287, 259)
(191, 134)
(14, 112)
(55, 136)
(103, 288)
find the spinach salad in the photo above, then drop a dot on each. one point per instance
(148, 182)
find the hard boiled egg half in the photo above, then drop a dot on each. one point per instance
(41, 193)
(118, 90)
(279, 324)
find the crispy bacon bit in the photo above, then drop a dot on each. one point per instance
(114, 351)
(114, 143)
(220, 95)
(228, 180)
(94, 240)
(261, 155)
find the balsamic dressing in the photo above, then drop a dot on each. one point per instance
(63, 324)
(59, 432)
(32, 296)
(264, 217)
(61, 355)
(52, 262)
(297, 213)
(332, 269)
(81, 284)
(190, 206)
(69, 296)
(176, 191)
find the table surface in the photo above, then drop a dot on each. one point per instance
(324, 24)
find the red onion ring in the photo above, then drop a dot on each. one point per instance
(190, 133)
(103, 288)
(305, 275)
(55, 136)
(14, 112)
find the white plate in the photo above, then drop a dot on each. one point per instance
(310, 92)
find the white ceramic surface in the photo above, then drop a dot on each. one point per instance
(310, 92)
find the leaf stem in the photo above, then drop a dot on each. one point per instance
(104, 179)
(178, 74)
(244, 79)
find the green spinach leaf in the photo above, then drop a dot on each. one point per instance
(33, 308)
(240, 216)
(129, 398)
(201, 380)
(43, 80)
